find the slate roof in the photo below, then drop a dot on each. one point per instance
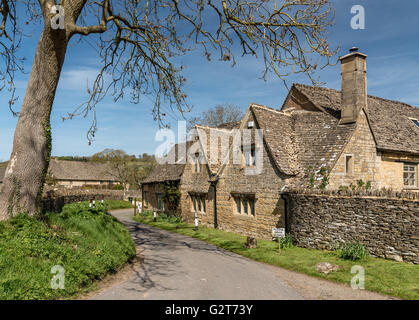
(169, 171)
(389, 120)
(80, 171)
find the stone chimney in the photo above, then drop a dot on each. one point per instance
(354, 85)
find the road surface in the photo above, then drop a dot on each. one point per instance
(173, 266)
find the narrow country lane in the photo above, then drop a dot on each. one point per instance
(173, 266)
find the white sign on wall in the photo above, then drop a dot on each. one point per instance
(278, 232)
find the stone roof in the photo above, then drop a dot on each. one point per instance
(278, 131)
(230, 125)
(389, 120)
(300, 140)
(80, 171)
(169, 171)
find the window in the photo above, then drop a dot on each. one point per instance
(199, 203)
(245, 208)
(238, 205)
(245, 205)
(410, 175)
(249, 156)
(253, 156)
(160, 202)
(252, 206)
(196, 161)
(197, 167)
(146, 198)
(349, 164)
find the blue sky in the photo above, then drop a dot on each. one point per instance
(390, 39)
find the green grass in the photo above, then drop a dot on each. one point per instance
(87, 243)
(393, 278)
(115, 204)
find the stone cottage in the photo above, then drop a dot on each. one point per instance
(170, 172)
(70, 174)
(319, 138)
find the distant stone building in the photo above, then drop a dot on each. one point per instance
(72, 174)
(319, 138)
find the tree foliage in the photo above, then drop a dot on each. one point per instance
(126, 168)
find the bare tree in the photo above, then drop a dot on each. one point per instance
(222, 113)
(136, 42)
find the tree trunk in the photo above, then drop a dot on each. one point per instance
(25, 173)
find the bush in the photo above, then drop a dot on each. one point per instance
(169, 218)
(286, 242)
(353, 251)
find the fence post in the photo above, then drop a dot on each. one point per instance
(154, 215)
(135, 206)
(90, 204)
(196, 221)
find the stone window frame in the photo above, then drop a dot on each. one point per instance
(349, 167)
(199, 203)
(247, 203)
(415, 174)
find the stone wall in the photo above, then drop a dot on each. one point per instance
(54, 200)
(365, 161)
(388, 227)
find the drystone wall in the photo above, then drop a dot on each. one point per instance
(388, 227)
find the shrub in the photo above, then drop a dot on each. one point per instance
(286, 242)
(353, 251)
(117, 187)
(169, 218)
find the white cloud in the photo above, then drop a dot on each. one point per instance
(77, 79)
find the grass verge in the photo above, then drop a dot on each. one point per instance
(88, 243)
(393, 278)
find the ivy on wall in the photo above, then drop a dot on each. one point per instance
(171, 195)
